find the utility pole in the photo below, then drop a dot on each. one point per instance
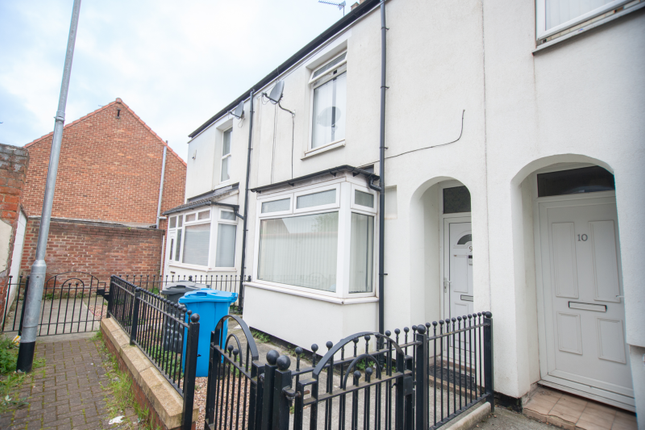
(39, 268)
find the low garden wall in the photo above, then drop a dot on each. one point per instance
(151, 390)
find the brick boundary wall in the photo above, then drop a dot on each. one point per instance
(13, 168)
(101, 249)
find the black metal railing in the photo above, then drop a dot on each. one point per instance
(14, 300)
(70, 304)
(455, 356)
(165, 332)
(415, 379)
(155, 283)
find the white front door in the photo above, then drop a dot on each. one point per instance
(458, 291)
(583, 321)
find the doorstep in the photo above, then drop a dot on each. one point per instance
(576, 413)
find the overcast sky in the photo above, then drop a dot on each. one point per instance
(175, 63)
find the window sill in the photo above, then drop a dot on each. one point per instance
(586, 26)
(325, 148)
(313, 296)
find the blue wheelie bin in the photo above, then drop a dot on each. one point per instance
(211, 305)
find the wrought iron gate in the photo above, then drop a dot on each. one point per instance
(70, 304)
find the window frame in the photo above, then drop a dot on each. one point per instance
(195, 222)
(217, 222)
(319, 208)
(213, 220)
(226, 157)
(317, 82)
(541, 32)
(344, 207)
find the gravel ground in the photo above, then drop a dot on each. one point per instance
(200, 400)
(508, 420)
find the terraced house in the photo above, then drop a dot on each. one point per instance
(436, 160)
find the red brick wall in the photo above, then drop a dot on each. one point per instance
(101, 250)
(109, 170)
(174, 185)
(13, 166)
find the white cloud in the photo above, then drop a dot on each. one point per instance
(174, 63)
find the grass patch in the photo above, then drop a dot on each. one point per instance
(260, 336)
(121, 394)
(10, 380)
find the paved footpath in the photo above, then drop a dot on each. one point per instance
(67, 392)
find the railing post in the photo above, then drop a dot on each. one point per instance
(214, 361)
(190, 371)
(281, 402)
(135, 316)
(109, 299)
(422, 378)
(22, 311)
(267, 392)
(404, 394)
(488, 360)
(256, 397)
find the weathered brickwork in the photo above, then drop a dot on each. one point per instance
(13, 166)
(99, 249)
(109, 172)
(110, 169)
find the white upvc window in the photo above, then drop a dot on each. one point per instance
(226, 155)
(192, 234)
(318, 239)
(226, 230)
(329, 86)
(554, 16)
(197, 233)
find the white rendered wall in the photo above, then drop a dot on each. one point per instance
(580, 101)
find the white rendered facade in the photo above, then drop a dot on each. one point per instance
(474, 99)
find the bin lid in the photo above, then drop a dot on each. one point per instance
(208, 296)
(181, 287)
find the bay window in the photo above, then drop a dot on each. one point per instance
(191, 235)
(319, 238)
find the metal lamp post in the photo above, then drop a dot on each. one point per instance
(39, 268)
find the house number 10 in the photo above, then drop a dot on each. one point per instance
(582, 238)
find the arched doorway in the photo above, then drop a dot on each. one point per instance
(447, 241)
(581, 313)
(458, 250)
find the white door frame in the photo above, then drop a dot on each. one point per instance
(445, 255)
(546, 379)
(444, 247)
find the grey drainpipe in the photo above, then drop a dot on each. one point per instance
(381, 235)
(163, 173)
(246, 200)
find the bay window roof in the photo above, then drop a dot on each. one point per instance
(208, 199)
(366, 172)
